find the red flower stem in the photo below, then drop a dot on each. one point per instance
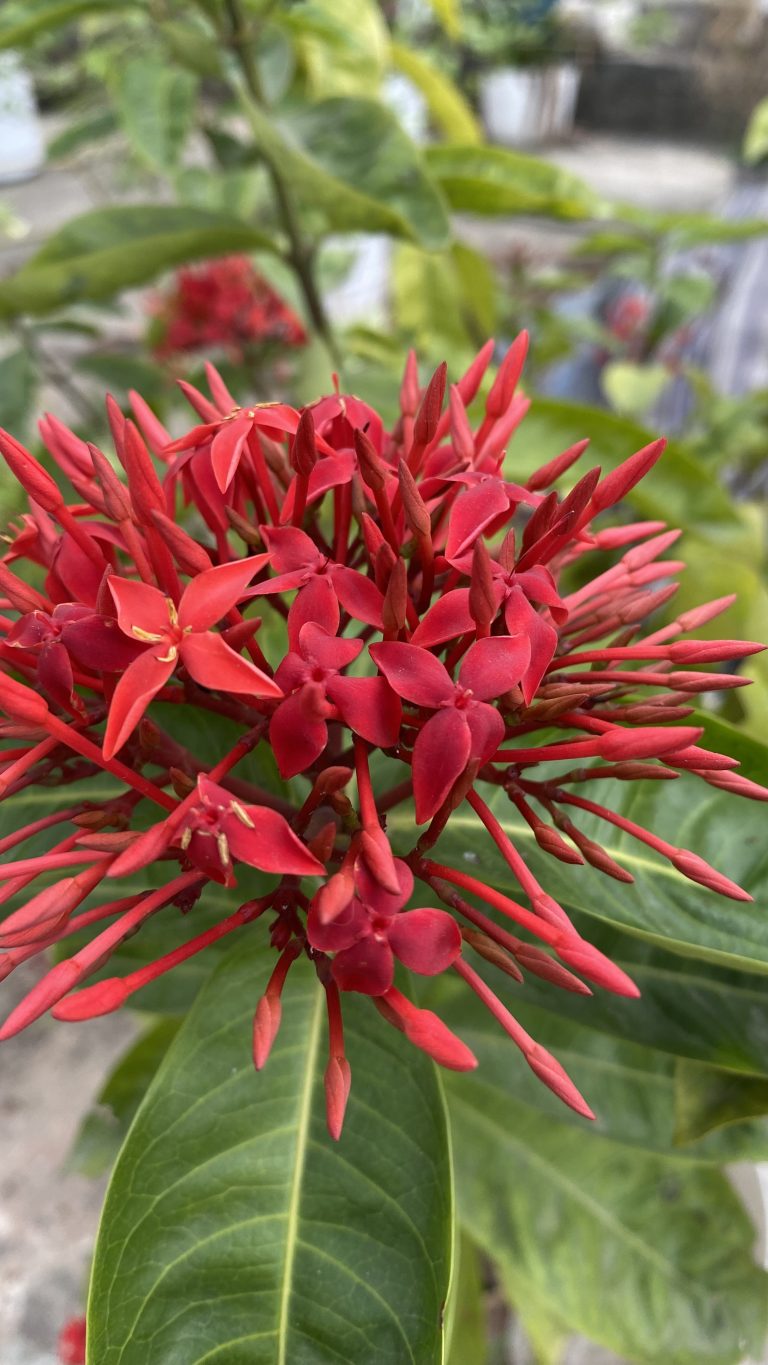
(387, 520)
(46, 862)
(19, 836)
(620, 821)
(368, 813)
(72, 737)
(300, 491)
(505, 846)
(335, 1022)
(142, 977)
(262, 472)
(18, 883)
(17, 769)
(342, 506)
(500, 1013)
(550, 933)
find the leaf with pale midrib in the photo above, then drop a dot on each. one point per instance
(647, 1257)
(235, 1230)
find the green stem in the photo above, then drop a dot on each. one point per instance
(301, 255)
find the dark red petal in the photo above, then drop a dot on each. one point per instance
(358, 595)
(542, 637)
(271, 844)
(98, 643)
(325, 649)
(440, 755)
(227, 448)
(368, 967)
(369, 707)
(291, 673)
(290, 548)
(134, 691)
(316, 602)
(539, 586)
(414, 673)
(373, 894)
(211, 662)
(473, 510)
(448, 618)
(139, 604)
(54, 672)
(341, 932)
(214, 592)
(282, 582)
(296, 741)
(493, 665)
(426, 941)
(486, 729)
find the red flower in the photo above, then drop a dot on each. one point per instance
(71, 1343)
(372, 930)
(405, 551)
(464, 730)
(180, 636)
(298, 730)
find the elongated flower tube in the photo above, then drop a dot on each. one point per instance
(385, 618)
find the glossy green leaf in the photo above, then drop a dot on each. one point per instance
(633, 1090)
(350, 160)
(755, 146)
(102, 252)
(448, 108)
(103, 1130)
(493, 181)
(466, 1322)
(23, 22)
(711, 1102)
(235, 1229)
(648, 1258)
(154, 100)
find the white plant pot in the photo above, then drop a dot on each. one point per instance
(22, 151)
(523, 106)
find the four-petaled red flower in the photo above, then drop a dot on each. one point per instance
(373, 929)
(464, 728)
(182, 635)
(219, 828)
(298, 730)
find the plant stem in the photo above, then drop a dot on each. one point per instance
(301, 254)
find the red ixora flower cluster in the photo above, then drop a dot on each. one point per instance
(423, 616)
(223, 304)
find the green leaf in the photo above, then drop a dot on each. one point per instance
(82, 133)
(648, 1258)
(18, 385)
(447, 105)
(633, 389)
(633, 1090)
(342, 44)
(466, 1330)
(709, 1101)
(235, 1229)
(155, 103)
(755, 146)
(102, 252)
(103, 1130)
(678, 489)
(42, 16)
(492, 181)
(350, 160)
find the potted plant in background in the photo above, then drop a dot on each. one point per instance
(527, 85)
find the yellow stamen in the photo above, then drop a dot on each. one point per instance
(223, 846)
(242, 814)
(145, 635)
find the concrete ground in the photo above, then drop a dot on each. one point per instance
(49, 1076)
